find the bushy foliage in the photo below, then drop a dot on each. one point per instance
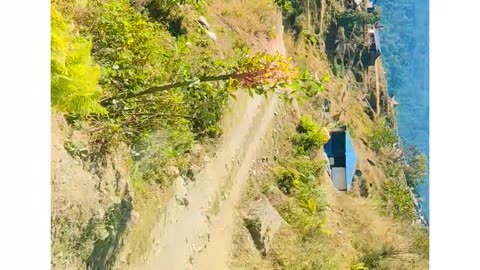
(291, 10)
(397, 202)
(133, 51)
(309, 136)
(149, 73)
(137, 53)
(309, 169)
(287, 179)
(354, 21)
(383, 136)
(415, 166)
(74, 79)
(298, 178)
(296, 172)
(421, 241)
(297, 20)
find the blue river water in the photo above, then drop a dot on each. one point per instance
(405, 55)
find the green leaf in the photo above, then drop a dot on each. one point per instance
(233, 96)
(250, 92)
(326, 78)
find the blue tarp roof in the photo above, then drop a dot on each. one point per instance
(351, 160)
(376, 34)
(340, 147)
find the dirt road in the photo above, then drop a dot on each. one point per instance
(198, 235)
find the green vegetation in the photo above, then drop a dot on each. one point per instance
(137, 53)
(304, 209)
(298, 178)
(383, 136)
(421, 241)
(354, 21)
(74, 75)
(397, 202)
(148, 77)
(291, 10)
(374, 256)
(154, 81)
(412, 164)
(287, 179)
(376, 253)
(309, 137)
(415, 165)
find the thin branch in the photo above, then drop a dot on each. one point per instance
(155, 89)
(161, 115)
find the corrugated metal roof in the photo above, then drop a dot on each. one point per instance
(351, 161)
(340, 149)
(376, 34)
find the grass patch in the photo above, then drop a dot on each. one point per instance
(147, 204)
(248, 18)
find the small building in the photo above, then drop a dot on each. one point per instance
(371, 6)
(374, 42)
(342, 158)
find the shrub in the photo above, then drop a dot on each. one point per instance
(305, 218)
(299, 180)
(309, 137)
(421, 242)
(74, 76)
(397, 202)
(133, 51)
(354, 21)
(382, 136)
(287, 179)
(137, 53)
(308, 169)
(415, 166)
(307, 124)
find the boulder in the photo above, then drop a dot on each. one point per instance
(263, 222)
(211, 35)
(203, 21)
(180, 191)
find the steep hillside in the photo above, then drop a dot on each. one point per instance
(375, 226)
(175, 124)
(128, 158)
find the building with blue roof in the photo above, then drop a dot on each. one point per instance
(342, 158)
(374, 46)
(371, 6)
